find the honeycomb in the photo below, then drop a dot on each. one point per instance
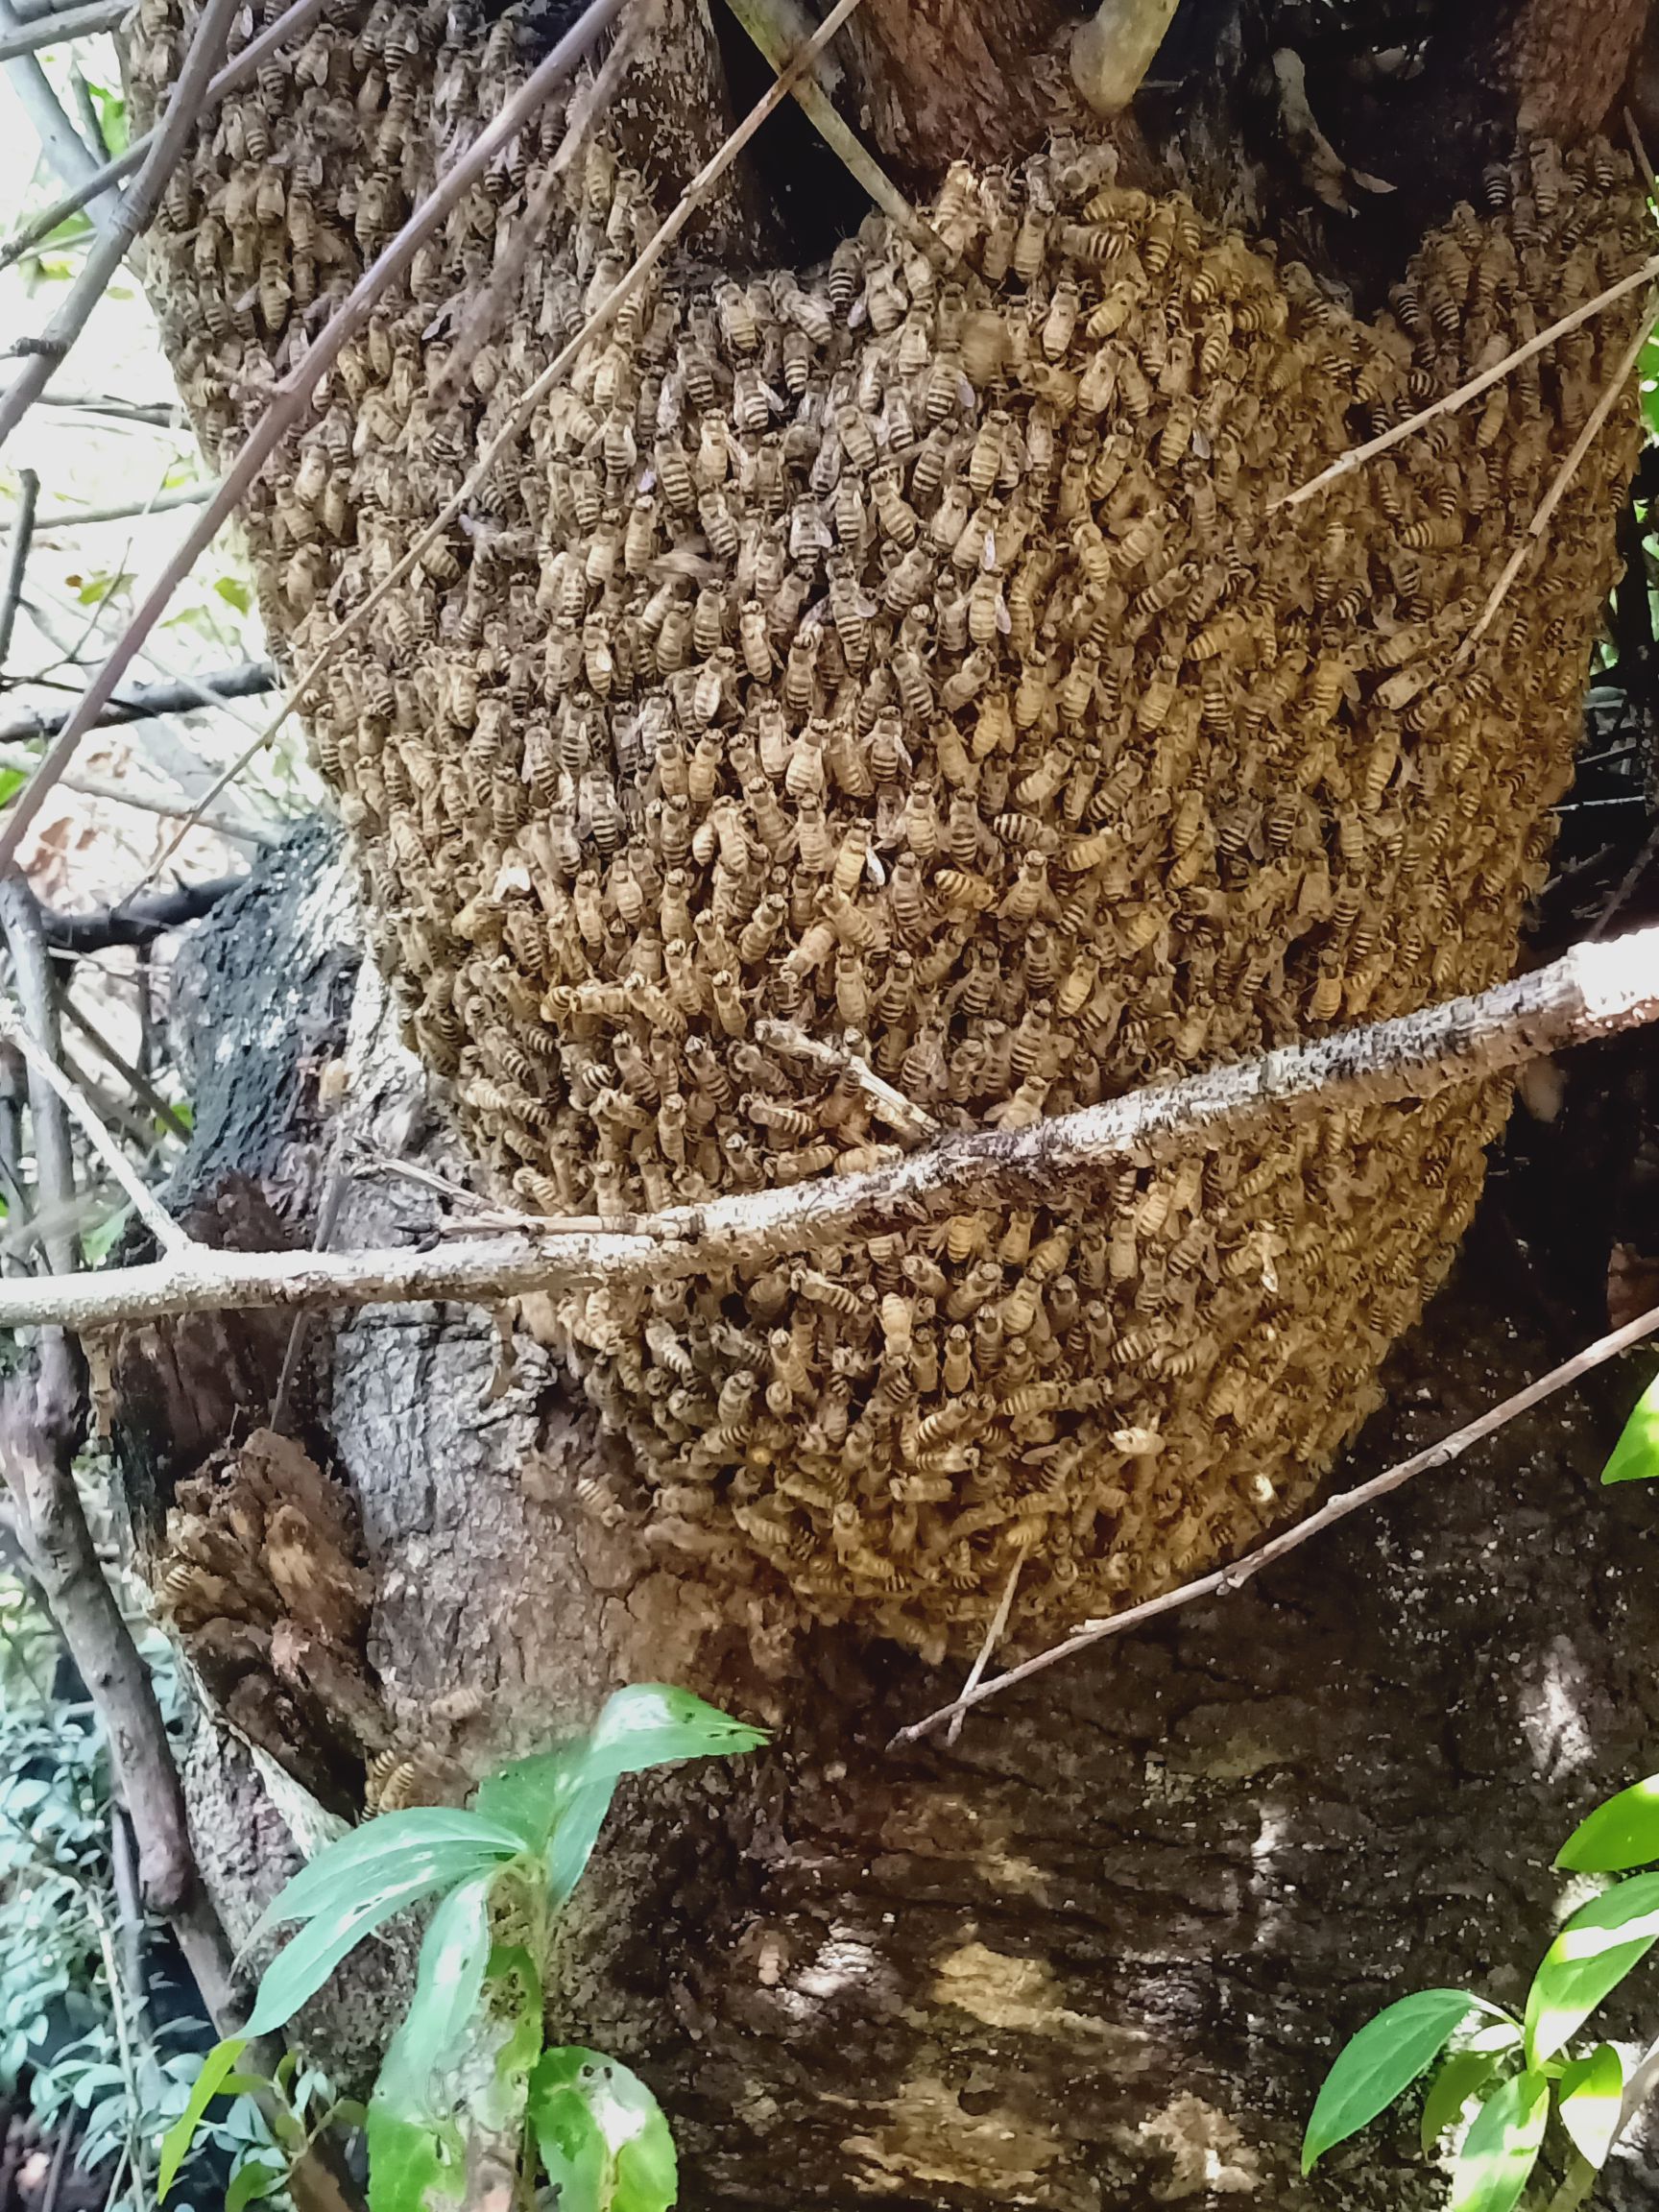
(914, 654)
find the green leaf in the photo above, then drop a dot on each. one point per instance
(441, 1842)
(1621, 1832)
(407, 2161)
(649, 1724)
(175, 2143)
(1464, 2075)
(528, 1795)
(604, 2141)
(448, 1984)
(1591, 1955)
(253, 2178)
(235, 593)
(1501, 2146)
(571, 1844)
(1383, 2060)
(513, 1969)
(1591, 2092)
(304, 1964)
(1636, 1454)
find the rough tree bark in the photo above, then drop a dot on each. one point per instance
(1098, 1954)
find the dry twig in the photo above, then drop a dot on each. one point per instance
(18, 556)
(1357, 456)
(662, 242)
(1592, 991)
(42, 1064)
(1535, 530)
(61, 26)
(43, 355)
(290, 398)
(287, 27)
(1226, 1580)
(175, 695)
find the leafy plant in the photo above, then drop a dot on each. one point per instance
(468, 2062)
(1517, 2072)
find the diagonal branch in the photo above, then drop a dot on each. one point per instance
(292, 395)
(175, 695)
(137, 205)
(287, 27)
(1226, 1580)
(18, 556)
(61, 26)
(1592, 991)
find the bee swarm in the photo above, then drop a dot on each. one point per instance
(915, 657)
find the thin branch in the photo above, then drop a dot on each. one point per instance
(1357, 456)
(144, 801)
(175, 695)
(64, 148)
(136, 1080)
(287, 27)
(68, 519)
(993, 1637)
(54, 1154)
(292, 395)
(1226, 1580)
(61, 26)
(891, 1104)
(154, 1216)
(136, 921)
(18, 556)
(1592, 991)
(138, 203)
(766, 22)
(1611, 394)
(654, 253)
(489, 306)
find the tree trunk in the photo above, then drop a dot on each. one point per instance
(1098, 1952)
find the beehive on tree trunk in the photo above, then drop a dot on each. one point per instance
(916, 654)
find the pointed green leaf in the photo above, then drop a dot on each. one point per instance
(1636, 1454)
(1592, 2092)
(407, 2163)
(1385, 2058)
(576, 1834)
(1464, 2075)
(305, 1963)
(513, 1971)
(175, 2143)
(525, 1797)
(444, 1840)
(649, 1724)
(255, 2177)
(1592, 1953)
(447, 1982)
(604, 2141)
(1621, 1832)
(1501, 2146)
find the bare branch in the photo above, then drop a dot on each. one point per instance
(18, 556)
(292, 394)
(177, 695)
(1534, 536)
(137, 206)
(136, 1079)
(61, 26)
(1358, 455)
(769, 25)
(287, 27)
(134, 921)
(160, 1223)
(1226, 1580)
(150, 802)
(54, 1155)
(163, 503)
(655, 253)
(61, 143)
(1592, 991)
